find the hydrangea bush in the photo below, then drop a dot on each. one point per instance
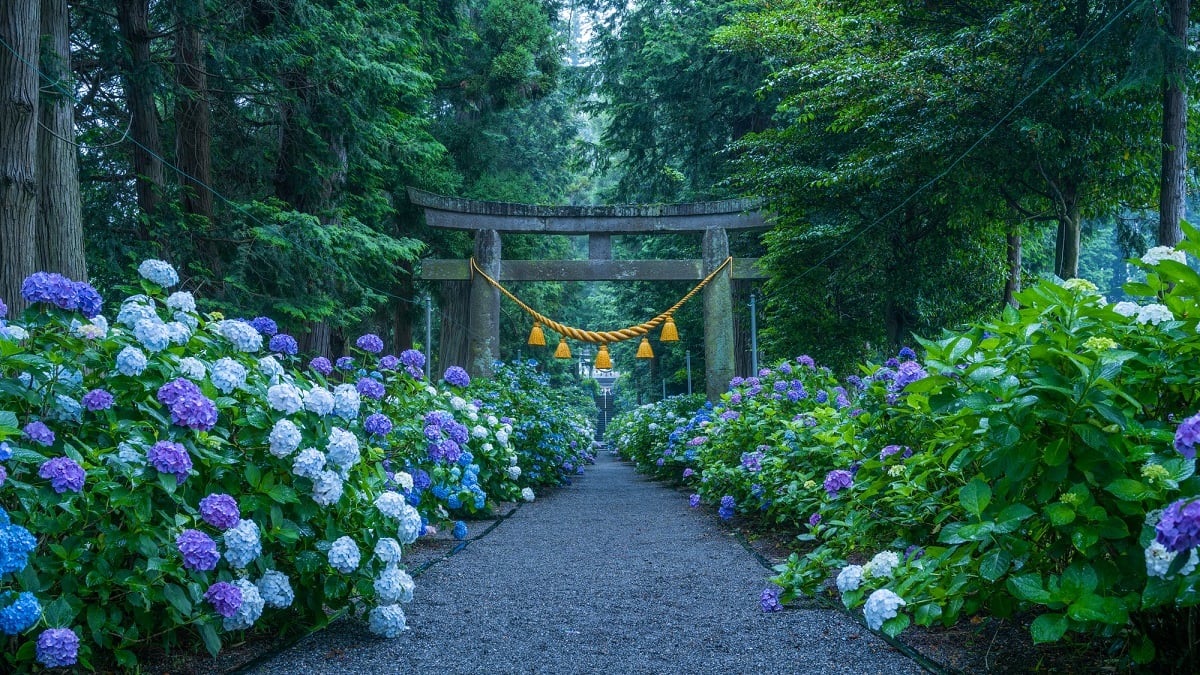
(1039, 465)
(187, 475)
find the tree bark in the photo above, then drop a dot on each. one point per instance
(60, 212)
(133, 17)
(20, 28)
(193, 132)
(1173, 181)
(454, 306)
(1066, 248)
(1012, 285)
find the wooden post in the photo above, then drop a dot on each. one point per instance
(484, 334)
(718, 317)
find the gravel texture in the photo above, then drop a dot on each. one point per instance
(614, 574)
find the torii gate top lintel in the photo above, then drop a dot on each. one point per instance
(599, 223)
(471, 214)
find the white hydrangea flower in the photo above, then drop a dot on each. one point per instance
(346, 401)
(271, 368)
(431, 390)
(1126, 308)
(318, 400)
(388, 550)
(487, 447)
(881, 606)
(309, 463)
(327, 488)
(1159, 559)
(390, 504)
(882, 565)
(850, 578)
(492, 421)
(393, 585)
(285, 398)
(343, 448)
(404, 480)
(388, 621)
(1161, 253)
(514, 472)
(512, 458)
(1154, 314)
(479, 432)
(285, 438)
(227, 375)
(474, 417)
(181, 301)
(250, 609)
(344, 556)
(242, 544)
(502, 437)
(472, 409)
(458, 402)
(527, 494)
(410, 525)
(192, 368)
(276, 589)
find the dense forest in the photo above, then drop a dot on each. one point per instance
(922, 161)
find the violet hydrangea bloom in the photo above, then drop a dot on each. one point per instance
(412, 358)
(345, 363)
(388, 362)
(378, 424)
(224, 597)
(265, 325)
(1179, 528)
(194, 411)
(172, 391)
(57, 648)
(220, 510)
(63, 473)
(836, 480)
(283, 344)
(39, 433)
(172, 458)
(370, 387)
(369, 343)
(3, 309)
(457, 376)
(769, 599)
(97, 399)
(1187, 436)
(321, 365)
(727, 507)
(199, 551)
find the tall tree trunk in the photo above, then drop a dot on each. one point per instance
(60, 212)
(1173, 182)
(193, 132)
(1070, 226)
(1012, 284)
(20, 28)
(133, 17)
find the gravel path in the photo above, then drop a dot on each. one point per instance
(611, 575)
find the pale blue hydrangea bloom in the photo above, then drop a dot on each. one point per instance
(388, 551)
(188, 320)
(410, 525)
(153, 334)
(242, 544)
(390, 504)
(343, 448)
(309, 463)
(131, 361)
(343, 555)
(318, 400)
(285, 398)
(850, 578)
(393, 585)
(250, 609)
(242, 335)
(180, 333)
(181, 301)
(346, 401)
(228, 375)
(192, 368)
(388, 621)
(136, 308)
(285, 438)
(327, 488)
(882, 605)
(159, 272)
(276, 589)
(882, 565)
(271, 368)
(527, 494)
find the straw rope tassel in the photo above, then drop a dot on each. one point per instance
(564, 350)
(669, 332)
(536, 337)
(644, 351)
(603, 360)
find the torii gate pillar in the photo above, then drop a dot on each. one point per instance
(718, 317)
(483, 341)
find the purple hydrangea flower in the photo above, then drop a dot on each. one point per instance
(225, 598)
(822, 396)
(378, 424)
(913, 552)
(370, 387)
(457, 376)
(63, 473)
(785, 368)
(345, 363)
(321, 365)
(735, 398)
(57, 648)
(172, 458)
(907, 373)
(57, 290)
(836, 480)
(369, 343)
(688, 473)
(39, 433)
(3, 475)
(412, 358)
(694, 500)
(907, 353)
(97, 399)
(194, 411)
(3, 309)
(1187, 436)
(806, 360)
(88, 300)
(752, 461)
(389, 362)
(727, 507)
(176, 389)
(889, 450)
(220, 510)
(769, 600)
(855, 381)
(814, 520)
(199, 551)
(265, 325)
(736, 381)
(1179, 527)
(283, 344)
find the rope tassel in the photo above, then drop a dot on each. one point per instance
(669, 332)
(644, 351)
(564, 350)
(603, 360)
(536, 337)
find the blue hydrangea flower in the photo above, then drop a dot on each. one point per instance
(769, 599)
(265, 325)
(457, 377)
(343, 555)
(346, 401)
(284, 344)
(39, 433)
(387, 621)
(393, 585)
(727, 507)
(248, 611)
(321, 365)
(276, 589)
(21, 612)
(345, 363)
(16, 544)
(369, 343)
(131, 361)
(389, 362)
(181, 301)
(241, 335)
(285, 438)
(158, 272)
(242, 544)
(227, 375)
(378, 424)
(153, 334)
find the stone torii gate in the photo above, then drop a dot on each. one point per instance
(488, 219)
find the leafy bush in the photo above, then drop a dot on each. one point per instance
(1021, 465)
(181, 487)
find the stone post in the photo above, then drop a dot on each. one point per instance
(718, 317)
(483, 346)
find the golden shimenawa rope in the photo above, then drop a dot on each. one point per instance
(602, 336)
